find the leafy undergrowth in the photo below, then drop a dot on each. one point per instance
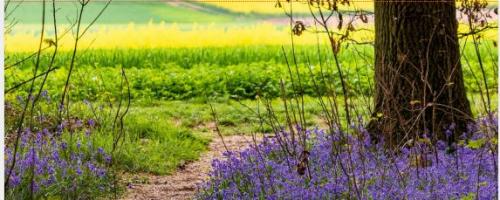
(357, 169)
(244, 72)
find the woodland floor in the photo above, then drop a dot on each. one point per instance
(183, 183)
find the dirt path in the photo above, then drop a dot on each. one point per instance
(182, 184)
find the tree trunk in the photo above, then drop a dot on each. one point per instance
(419, 83)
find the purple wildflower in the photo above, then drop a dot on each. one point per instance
(91, 122)
(267, 171)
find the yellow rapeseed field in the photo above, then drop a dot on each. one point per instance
(161, 35)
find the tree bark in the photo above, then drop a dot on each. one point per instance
(419, 83)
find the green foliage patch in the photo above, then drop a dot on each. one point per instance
(237, 72)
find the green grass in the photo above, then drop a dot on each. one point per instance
(156, 145)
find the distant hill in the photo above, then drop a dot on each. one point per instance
(123, 12)
(171, 11)
(145, 11)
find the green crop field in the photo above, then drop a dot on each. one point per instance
(236, 72)
(123, 13)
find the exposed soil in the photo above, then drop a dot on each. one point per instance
(190, 5)
(182, 184)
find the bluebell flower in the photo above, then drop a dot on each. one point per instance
(64, 146)
(79, 171)
(380, 174)
(91, 122)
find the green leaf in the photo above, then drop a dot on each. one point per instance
(476, 144)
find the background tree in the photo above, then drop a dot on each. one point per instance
(419, 83)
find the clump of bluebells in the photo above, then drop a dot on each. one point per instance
(357, 169)
(60, 162)
(48, 165)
